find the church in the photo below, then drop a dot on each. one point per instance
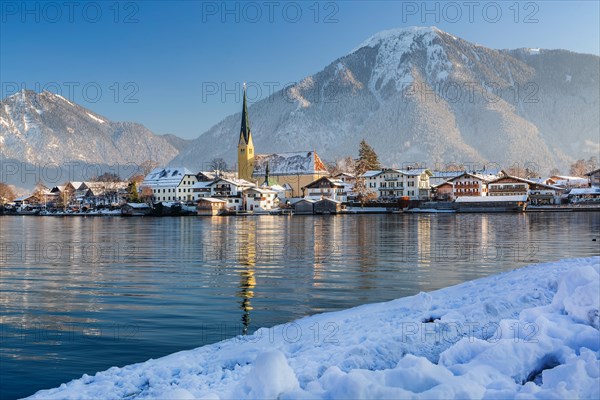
(291, 170)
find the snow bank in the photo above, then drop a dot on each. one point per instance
(528, 333)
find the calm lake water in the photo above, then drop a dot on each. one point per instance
(79, 295)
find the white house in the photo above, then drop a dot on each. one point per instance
(327, 188)
(231, 190)
(468, 184)
(259, 199)
(395, 183)
(168, 184)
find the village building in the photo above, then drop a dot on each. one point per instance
(327, 188)
(106, 193)
(390, 184)
(568, 182)
(293, 169)
(328, 206)
(443, 191)
(260, 199)
(584, 195)
(345, 177)
(511, 203)
(304, 207)
(439, 177)
(209, 206)
(468, 184)
(200, 190)
(594, 178)
(136, 209)
(168, 184)
(537, 193)
(231, 190)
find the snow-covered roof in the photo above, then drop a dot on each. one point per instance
(583, 191)
(23, 198)
(262, 190)
(483, 177)
(330, 181)
(202, 184)
(567, 178)
(277, 188)
(407, 172)
(490, 199)
(528, 181)
(170, 176)
(76, 184)
(445, 174)
(138, 205)
(596, 171)
(212, 200)
(371, 173)
(329, 200)
(233, 181)
(293, 163)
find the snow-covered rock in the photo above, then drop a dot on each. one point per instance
(528, 333)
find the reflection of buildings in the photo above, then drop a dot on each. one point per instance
(247, 259)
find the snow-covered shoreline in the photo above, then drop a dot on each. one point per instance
(529, 333)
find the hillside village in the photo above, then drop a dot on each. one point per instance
(300, 183)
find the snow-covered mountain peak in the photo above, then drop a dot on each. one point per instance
(398, 33)
(399, 51)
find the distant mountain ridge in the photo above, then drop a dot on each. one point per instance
(47, 128)
(416, 94)
(423, 95)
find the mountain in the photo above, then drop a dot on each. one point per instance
(46, 128)
(423, 95)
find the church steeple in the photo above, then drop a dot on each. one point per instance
(245, 134)
(245, 145)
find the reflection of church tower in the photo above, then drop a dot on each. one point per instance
(247, 260)
(245, 146)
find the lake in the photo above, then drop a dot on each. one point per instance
(82, 294)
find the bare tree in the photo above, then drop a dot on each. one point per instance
(6, 193)
(579, 168)
(107, 177)
(146, 194)
(218, 165)
(345, 164)
(147, 166)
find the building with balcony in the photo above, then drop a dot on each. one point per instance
(390, 184)
(327, 188)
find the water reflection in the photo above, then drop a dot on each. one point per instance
(79, 295)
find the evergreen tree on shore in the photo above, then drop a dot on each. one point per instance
(367, 158)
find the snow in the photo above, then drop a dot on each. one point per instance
(527, 333)
(95, 118)
(491, 199)
(288, 163)
(394, 46)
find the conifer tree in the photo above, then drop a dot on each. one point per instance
(133, 192)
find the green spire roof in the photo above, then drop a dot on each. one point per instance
(245, 128)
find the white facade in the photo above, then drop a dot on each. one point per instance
(469, 185)
(395, 183)
(328, 188)
(165, 184)
(257, 199)
(231, 190)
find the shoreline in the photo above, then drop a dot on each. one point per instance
(532, 209)
(491, 337)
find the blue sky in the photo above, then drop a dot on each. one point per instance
(175, 66)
